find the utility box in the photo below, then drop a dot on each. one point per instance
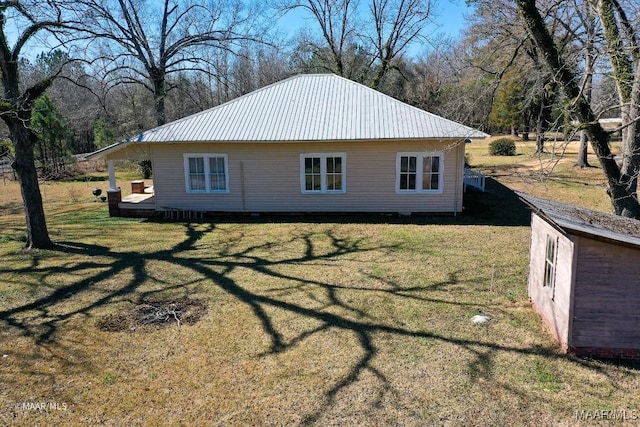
(137, 187)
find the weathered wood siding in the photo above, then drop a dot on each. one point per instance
(265, 177)
(607, 296)
(553, 305)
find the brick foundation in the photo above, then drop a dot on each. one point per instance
(606, 353)
(114, 197)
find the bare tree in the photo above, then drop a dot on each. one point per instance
(379, 34)
(337, 22)
(624, 57)
(498, 49)
(446, 82)
(620, 23)
(588, 21)
(21, 23)
(148, 41)
(398, 23)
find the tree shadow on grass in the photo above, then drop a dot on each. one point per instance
(42, 318)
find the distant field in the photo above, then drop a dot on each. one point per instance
(551, 175)
(314, 321)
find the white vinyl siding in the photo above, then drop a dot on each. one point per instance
(266, 177)
(323, 173)
(206, 173)
(419, 172)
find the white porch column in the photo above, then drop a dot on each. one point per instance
(112, 176)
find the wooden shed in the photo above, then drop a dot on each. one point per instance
(584, 278)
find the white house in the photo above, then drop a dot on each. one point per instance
(310, 143)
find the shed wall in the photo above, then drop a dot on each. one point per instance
(607, 296)
(265, 177)
(553, 305)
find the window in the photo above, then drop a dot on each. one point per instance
(419, 172)
(550, 263)
(217, 174)
(196, 174)
(408, 172)
(322, 173)
(206, 173)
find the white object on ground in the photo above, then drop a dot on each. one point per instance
(479, 319)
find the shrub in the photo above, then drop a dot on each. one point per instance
(502, 147)
(6, 149)
(145, 168)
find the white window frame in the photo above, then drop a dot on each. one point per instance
(420, 156)
(207, 172)
(550, 265)
(323, 173)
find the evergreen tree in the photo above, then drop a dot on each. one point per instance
(52, 146)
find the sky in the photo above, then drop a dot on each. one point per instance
(451, 17)
(449, 20)
(448, 16)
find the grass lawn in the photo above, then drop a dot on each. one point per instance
(363, 322)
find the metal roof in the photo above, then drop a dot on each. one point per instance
(586, 221)
(310, 107)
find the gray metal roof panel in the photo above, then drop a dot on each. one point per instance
(312, 107)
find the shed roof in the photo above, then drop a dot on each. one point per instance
(308, 107)
(586, 221)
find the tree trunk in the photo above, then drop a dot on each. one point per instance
(543, 119)
(631, 154)
(591, 55)
(540, 128)
(626, 73)
(583, 160)
(539, 139)
(622, 196)
(159, 95)
(24, 166)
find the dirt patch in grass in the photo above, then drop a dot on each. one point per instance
(153, 315)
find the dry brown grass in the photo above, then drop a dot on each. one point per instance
(552, 175)
(327, 323)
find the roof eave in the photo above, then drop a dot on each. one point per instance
(460, 138)
(567, 227)
(104, 152)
